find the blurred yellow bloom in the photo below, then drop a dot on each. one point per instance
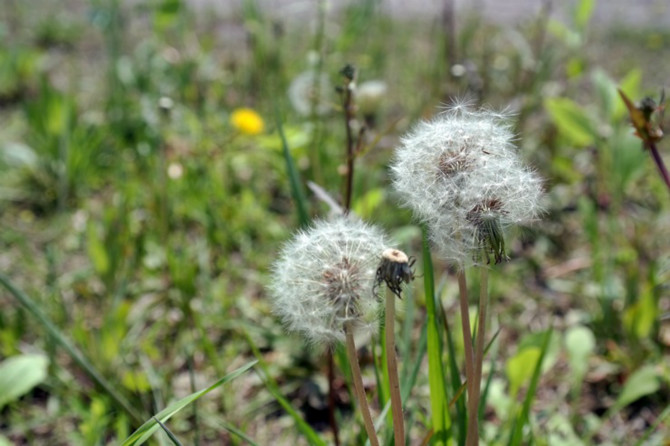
(247, 121)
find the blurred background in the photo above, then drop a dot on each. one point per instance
(144, 194)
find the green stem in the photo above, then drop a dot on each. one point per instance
(481, 335)
(472, 433)
(392, 366)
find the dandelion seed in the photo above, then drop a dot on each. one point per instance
(462, 176)
(324, 279)
(247, 121)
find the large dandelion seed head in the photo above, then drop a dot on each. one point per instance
(324, 277)
(461, 175)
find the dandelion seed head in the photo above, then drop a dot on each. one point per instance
(461, 175)
(309, 93)
(324, 278)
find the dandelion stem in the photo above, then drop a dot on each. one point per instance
(472, 438)
(348, 108)
(358, 386)
(481, 333)
(659, 162)
(392, 365)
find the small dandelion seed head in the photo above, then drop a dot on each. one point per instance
(369, 96)
(247, 121)
(310, 92)
(324, 278)
(461, 175)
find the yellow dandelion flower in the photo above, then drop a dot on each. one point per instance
(247, 121)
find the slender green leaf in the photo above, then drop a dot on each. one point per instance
(235, 431)
(516, 438)
(145, 431)
(168, 432)
(293, 175)
(436, 376)
(456, 384)
(19, 374)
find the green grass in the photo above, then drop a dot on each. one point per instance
(136, 241)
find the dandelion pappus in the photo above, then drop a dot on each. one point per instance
(394, 269)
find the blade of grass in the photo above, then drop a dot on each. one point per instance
(235, 431)
(456, 383)
(145, 431)
(62, 340)
(517, 433)
(436, 378)
(485, 393)
(272, 386)
(654, 426)
(169, 433)
(293, 175)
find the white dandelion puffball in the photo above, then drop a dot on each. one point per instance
(461, 175)
(324, 279)
(310, 92)
(369, 95)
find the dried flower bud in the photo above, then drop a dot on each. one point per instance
(462, 176)
(324, 279)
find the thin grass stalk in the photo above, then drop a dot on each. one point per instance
(359, 390)
(472, 437)
(481, 336)
(392, 366)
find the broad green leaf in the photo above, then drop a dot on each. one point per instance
(580, 344)
(19, 374)
(644, 381)
(520, 367)
(147, 429)
(572, 122)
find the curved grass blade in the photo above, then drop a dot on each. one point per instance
(147, 429)
(235, 431)
(517, 433)
(70, 348)
(169, 433)
(311, 435)
(293, 176)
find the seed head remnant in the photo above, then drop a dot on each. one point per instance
(394, 269)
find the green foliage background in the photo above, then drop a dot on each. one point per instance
(143, 233)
